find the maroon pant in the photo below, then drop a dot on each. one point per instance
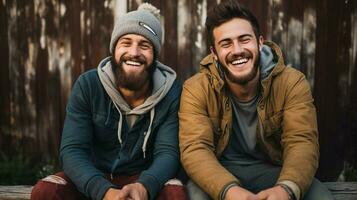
(57, 191)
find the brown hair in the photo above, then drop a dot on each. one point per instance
(224, 12)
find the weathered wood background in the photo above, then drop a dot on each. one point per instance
(46, 44)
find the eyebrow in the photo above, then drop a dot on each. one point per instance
(141, 41)
(144, 41)
(245, 35)
(229, 39)
(124, 38)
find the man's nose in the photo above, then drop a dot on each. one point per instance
(237, 48)
(134, 50)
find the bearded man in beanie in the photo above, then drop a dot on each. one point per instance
(120, 136)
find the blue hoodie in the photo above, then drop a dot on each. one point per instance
(90, 149)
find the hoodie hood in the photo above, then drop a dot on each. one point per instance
(267, 62)
(163, 78)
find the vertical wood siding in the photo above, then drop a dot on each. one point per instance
(46, 44)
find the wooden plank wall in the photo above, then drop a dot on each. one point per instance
(335, 82)
(46, 44)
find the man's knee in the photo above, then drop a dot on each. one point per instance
(318, 190)
(195, 192)
(173, 190)
(56, 187)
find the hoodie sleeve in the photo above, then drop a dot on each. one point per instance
(166, 151)
(76, 143)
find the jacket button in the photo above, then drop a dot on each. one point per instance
(261, 106)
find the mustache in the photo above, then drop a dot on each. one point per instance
(235, 56)
(139, 58)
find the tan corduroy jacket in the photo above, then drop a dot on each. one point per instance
(286, 130)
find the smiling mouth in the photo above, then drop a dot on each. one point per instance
(239, 61)
(132, 63)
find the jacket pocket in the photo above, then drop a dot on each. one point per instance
(217, 130)
(272, 134)
(273, 125)
(105, 130)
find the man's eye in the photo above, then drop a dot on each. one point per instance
(125, 44)
(145, 46)
(245, 40)
(225, 44)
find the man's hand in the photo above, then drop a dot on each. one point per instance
(115, 194)
(274, 193)
(134, 191)
(238, 193)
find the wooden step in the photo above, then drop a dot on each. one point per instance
(343, 190)
(340, 190)
(18, 192)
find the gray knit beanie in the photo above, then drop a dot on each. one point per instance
(143, 21)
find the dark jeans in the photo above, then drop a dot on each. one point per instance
(57, 191)
(260, 177)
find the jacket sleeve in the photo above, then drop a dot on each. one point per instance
(166, 154)
(300, 136)
(196, 137)
(76, 145)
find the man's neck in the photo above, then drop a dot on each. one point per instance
(245, 92)
(136, 98)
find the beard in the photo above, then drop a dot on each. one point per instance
(132, 81)
(242, 80)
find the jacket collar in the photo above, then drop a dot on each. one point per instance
(208, 66)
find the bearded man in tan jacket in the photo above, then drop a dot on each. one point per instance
(248, 125)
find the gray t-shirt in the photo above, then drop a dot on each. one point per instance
(242, 146)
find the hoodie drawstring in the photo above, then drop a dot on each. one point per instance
(120, 124)
(109, 112)
(148, 132)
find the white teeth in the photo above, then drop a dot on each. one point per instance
(240, 61)
(128, 62)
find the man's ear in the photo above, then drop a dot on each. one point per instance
(213, 52)
(261, 42)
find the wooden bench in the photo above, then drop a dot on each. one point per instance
(340, 190)
(343, 190)
(19, 192)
